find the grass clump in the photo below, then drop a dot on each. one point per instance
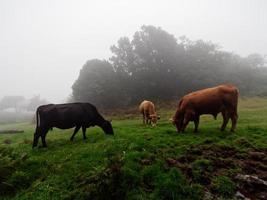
(223, 186)
(173, 185)
(201, 169)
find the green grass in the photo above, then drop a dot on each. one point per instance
(139, 162)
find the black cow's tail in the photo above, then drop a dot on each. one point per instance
(37, 118)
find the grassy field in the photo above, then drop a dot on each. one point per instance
(139, 162)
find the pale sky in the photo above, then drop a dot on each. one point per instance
(44, 43)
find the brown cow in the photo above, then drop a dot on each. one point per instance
(147, 108)
(221, 99)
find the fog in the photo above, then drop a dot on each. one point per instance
(44, 44)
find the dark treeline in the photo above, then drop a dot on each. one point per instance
(155, 65)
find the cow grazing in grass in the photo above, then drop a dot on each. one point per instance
(65, 116)
(147, 108)
(221, 99)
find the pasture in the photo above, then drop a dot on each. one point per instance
(139, 162)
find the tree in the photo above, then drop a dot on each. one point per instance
(35, 102)
(11, 102)
(97, 84)
(155, 65)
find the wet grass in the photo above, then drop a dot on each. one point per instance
(139, 162)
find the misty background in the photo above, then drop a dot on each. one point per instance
(45, 44)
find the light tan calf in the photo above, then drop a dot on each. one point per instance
(147, 108)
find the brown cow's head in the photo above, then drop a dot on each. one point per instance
(154, 118)
(177, 120)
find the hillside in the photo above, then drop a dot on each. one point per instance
(139, 162)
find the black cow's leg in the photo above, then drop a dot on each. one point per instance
(196, 121)
(43, 135)
(84, 131)
(77, 128)
(225, 120)
(36, 137)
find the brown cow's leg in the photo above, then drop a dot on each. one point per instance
(143, 117)
(234, 121)
(185, 122)
(84, 131)
(77, 128)
(147, 118)
(225, 120)
(196, 121)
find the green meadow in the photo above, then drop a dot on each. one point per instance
(138, 162)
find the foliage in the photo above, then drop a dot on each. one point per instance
(155, 65)
(97, 84)
(34, 102)
(10, 102)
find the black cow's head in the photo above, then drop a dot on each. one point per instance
(107, 128)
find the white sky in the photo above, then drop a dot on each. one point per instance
(44, 43)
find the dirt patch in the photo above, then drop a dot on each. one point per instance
(204, 162)
(7, 141)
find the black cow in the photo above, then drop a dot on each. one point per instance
(66, 116)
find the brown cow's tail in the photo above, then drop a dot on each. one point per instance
(180, 103)
(236, 99)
